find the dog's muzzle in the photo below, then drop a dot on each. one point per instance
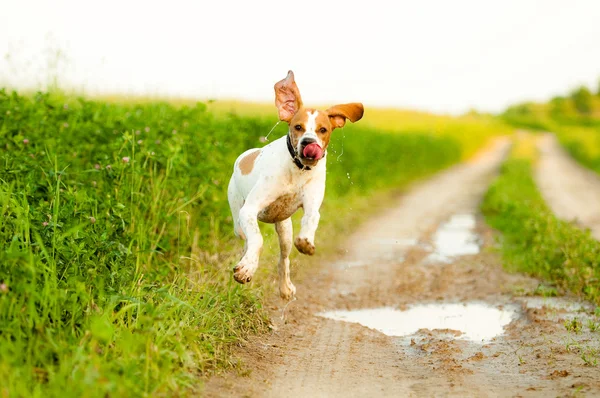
(306, 142)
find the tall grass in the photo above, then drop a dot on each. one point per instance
(116, 246)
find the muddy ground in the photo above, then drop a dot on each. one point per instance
(390, 261)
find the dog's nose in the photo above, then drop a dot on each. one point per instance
(307, 141)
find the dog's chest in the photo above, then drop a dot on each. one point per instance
(282, 208)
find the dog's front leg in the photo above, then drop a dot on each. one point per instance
(311, 201)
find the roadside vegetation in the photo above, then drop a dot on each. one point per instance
(533, 240)
(116, 245)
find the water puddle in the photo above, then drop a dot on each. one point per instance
(476, 321)
(455, 238)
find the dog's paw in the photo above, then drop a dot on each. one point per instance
(304, 246)
(243, 273)
(287, 290)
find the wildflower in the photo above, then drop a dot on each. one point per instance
(108, 167)
(66, 106)
(262, 138)
(97, 166)
(140, 142)
(65, 124)
(93, 220)
(126, 159)
(3, 287)
(174, 132)
(138, 132)
(152, 153)
(45, 223)
(25, 141)
(157, 142)
(94, 183)
(147, 129)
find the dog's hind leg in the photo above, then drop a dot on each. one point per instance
(262, 194)
(284, 229)
(236, 201)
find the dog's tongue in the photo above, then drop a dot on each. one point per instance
(313, 151)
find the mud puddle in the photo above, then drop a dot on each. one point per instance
(477, 322)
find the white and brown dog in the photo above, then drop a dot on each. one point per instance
(269, 184)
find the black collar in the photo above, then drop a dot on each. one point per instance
(292, 152)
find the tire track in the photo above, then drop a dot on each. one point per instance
(571, 190)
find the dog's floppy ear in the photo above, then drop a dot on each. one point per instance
(339, 113)
(287, 97)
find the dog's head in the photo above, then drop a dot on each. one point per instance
(310, 129)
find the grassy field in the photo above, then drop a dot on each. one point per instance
(116, 238)
(534, 241)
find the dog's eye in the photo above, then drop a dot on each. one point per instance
(323, 130)
(298, 127)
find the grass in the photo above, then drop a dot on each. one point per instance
(116, 246)
(534, 241)
(583, 144)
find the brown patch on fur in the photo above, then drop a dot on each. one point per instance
(323, 121)
(281, 209)
(247, 162)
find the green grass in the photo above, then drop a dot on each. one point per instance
(583, 144)
(116, 245)
(534, 241)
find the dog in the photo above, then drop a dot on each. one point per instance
(271, 183)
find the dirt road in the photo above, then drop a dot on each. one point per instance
(572, 191)
(427, 256)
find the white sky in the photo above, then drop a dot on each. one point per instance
(442, 56)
